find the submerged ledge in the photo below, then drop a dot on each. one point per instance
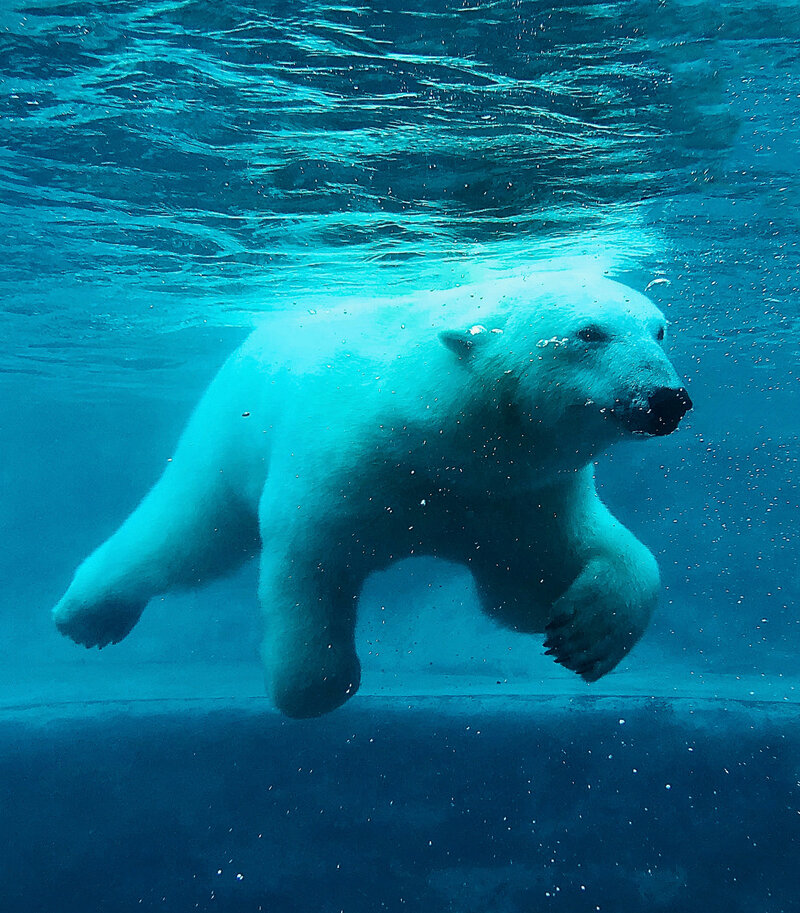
(463, 803)
(81, 688)
(444, 704)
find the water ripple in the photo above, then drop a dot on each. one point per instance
(194, 153)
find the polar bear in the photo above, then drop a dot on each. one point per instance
(461, 424)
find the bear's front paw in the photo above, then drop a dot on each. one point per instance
(301, 692)
(593, 625)
(591, 649)
(98, 624)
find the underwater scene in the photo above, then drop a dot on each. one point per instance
(403, 397)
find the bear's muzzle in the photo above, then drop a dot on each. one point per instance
(665, 408)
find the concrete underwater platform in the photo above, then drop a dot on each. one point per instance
(462, 803)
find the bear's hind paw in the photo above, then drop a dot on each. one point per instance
(97, 625)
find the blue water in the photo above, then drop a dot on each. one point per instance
(172, 172)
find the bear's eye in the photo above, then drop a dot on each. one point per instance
(592, 333)
(660, 334)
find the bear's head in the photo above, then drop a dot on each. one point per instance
(580, 359)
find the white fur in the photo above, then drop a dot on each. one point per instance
(341, 441)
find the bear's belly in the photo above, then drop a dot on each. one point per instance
(513, 545)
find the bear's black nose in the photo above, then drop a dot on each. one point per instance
(666, 407)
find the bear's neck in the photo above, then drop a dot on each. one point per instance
(463, 430)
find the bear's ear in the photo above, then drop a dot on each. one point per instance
(462, 343)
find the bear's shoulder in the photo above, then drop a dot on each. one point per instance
(384, 328)
(376, 328)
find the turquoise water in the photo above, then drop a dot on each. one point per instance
(171, 173)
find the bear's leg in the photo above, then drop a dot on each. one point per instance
(604, 612)
(594, 623)
(612, 592)
(574, 573)
(186, 531)
(309, 610)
